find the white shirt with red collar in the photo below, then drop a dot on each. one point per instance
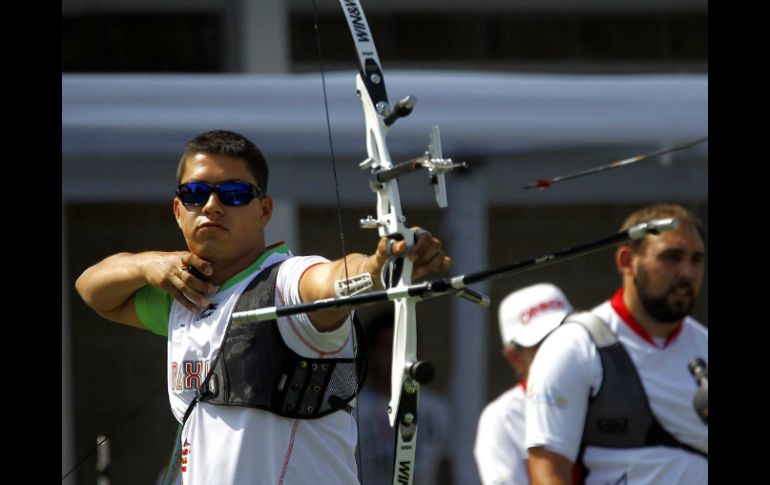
(567, 370)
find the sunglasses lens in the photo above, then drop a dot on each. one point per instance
(235, 193)
(194, 193)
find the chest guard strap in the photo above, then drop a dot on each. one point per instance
(255, 368)
(619, 416)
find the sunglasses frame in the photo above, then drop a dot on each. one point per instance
(254, 191)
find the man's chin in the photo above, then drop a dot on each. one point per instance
(672, 320)
(682, 304)
(677, 311)
(211, 251)
(667, 311)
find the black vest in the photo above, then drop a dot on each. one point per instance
(255, 368)
(619, 416)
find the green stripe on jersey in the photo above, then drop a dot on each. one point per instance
(153, 306)
(281, 248)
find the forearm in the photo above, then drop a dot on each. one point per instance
(109, 284)
(318, 283)
(549, 468)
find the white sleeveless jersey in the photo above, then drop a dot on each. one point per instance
(567, 369)
(501, 456)
(241, 445)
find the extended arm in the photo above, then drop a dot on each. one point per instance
(318, 282)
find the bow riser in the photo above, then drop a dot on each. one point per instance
(390, 217)
(370, 86)
(390, 222)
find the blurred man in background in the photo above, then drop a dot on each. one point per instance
(526, 317)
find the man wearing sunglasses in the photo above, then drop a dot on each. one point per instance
(254, 419)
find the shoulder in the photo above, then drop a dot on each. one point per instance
(696, 328)
(498, 417)
(291, 271)
(509, 403)
(569, 337)
(604, 311)
(299, 264)
(501, 403)
(567, 357)
(693, 339)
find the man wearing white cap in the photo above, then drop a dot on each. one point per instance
(526, 317)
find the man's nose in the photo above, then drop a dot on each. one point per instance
(213, 204)
(689, 270)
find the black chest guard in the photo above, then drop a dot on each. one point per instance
(255, 368)
(619, 416)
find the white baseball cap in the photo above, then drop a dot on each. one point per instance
(528, 315)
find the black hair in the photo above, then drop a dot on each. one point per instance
(231, 144)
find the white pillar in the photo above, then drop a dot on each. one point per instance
(67, 436)
(258, 36)
(467, 229)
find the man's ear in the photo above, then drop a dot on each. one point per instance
(624, 256)
(177, 208)
(267, 209)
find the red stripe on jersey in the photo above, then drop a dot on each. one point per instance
(288, 452)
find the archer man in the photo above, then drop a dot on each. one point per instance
(234, 386)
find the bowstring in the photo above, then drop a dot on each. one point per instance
(317, 32)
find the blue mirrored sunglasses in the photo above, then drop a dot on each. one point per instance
(233, 193)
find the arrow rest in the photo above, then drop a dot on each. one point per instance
(432, 160)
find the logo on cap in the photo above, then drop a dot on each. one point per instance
(529, 314)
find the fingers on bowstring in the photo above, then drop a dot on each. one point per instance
(193, 290)
(200, 265)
